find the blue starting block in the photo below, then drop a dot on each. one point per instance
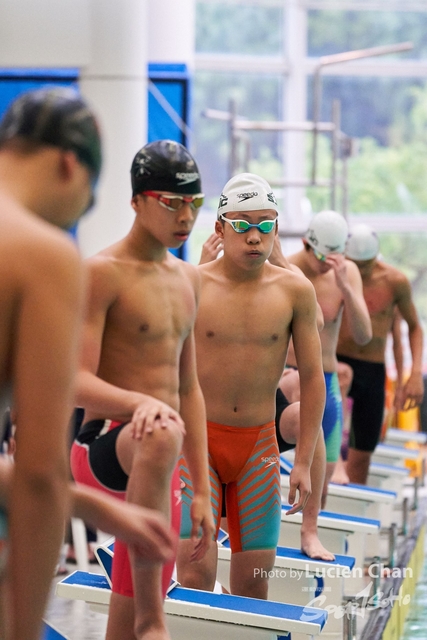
(50, 633)
(339, 533)
(352, 499)
(295, 578)
(192, 613)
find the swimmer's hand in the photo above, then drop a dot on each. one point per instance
(146, 531)
(338, 264)
(201, 518)
(152, 413)
(413, 392)
(299, 480)
(147, 534)
(211, 248)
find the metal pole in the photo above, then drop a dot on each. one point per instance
(248, 152)
(405, 513)
(416, 483)
(336, 119)
(233, 139)
(344, 190)
(317, 99)
(376, 581)
(392, 543)
(350, 617)
(347, 56)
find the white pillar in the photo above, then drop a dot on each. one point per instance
(115, 84)
(172, 27)
(295, 111)
(42, 33)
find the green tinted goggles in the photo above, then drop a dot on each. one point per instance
(241, 226)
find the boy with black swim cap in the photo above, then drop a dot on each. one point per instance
(138, 340)
(50, 159)
(165, 165)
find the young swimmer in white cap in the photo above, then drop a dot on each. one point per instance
(385, 289)
(248, 311)
(287, 419)
(338, 287)
(362, 243)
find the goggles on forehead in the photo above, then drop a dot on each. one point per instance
(241, 226)
(176, 202)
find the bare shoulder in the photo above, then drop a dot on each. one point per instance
(393, 275)
(36, 252)
(208, 267)
(294, 280)
(105, 274)
(297, 289)
(352, 268)
(398, 282)
(190, 271)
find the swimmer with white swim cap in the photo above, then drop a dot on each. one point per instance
(362, 244)
(385, 289)
(247, 313)
(240, 192)
(338, 287)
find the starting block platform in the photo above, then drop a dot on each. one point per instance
(192, 613)
(338, 533)
(388, 476)
(404, 436)
(393, 454)
(295, 578)
(353, 499)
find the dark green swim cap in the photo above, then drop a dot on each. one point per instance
(57, 117)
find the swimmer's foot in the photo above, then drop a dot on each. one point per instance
(313, 548)
(340, 475)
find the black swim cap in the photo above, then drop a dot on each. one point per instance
(57, 117)
(165, 165)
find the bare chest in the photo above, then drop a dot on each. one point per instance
(153, 307)
(232, 317)
(379, 298)
(329, 298)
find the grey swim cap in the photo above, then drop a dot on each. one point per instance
(57, 117)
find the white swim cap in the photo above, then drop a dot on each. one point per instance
(247, 192)
(362, 243)
(327, 232)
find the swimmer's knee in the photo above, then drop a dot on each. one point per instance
(161, 447)
(290, 423)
